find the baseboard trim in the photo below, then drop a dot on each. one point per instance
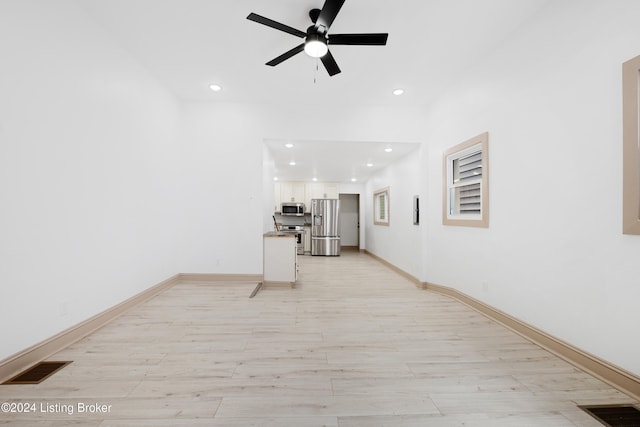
(28, 357)
(613, 375)
(400, 271)
(203, 277)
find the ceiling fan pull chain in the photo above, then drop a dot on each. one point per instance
(315, 75)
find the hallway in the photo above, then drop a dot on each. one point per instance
(354, 344)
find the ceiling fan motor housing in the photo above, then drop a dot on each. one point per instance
(317, 31)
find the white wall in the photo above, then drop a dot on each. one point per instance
(225, 165)
(400, 242)
(222, 169)
(268, 189)
(87, 184)
(554, 254)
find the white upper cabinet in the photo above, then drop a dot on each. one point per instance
(312, 191)
(290, 192)
(294, 192)
(300, 192)
(330, 190)
(320, 190)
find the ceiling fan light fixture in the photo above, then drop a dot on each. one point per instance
(315, 46)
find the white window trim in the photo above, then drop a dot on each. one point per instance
(478, 143)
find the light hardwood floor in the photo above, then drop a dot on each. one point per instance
(354, 344)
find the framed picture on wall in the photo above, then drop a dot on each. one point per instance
(381, 206)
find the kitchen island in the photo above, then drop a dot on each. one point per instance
(280, 258)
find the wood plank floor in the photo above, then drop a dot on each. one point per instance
(354, 344)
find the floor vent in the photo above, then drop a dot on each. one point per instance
(37, 373)
(615, 415)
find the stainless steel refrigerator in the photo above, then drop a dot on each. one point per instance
(324, 227)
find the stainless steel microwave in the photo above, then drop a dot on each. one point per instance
(292, 209)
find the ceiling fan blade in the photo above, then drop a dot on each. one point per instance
(329, 12)
(370, 39)
(273, 24)
(286, 55)
(330, 64)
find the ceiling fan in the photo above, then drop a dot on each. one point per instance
(317, 38)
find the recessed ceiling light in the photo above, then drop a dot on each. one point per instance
(289, 145)
(369, 165)
(388, 149)
(314, 179)
(398, 92)
(275, 178)
(215, 87)
(292, 163)
(353, 179)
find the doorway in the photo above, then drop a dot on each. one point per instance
(349, 221)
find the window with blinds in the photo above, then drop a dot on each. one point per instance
(466, 185)
(466, 195)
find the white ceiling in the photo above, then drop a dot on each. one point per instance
(189, 44)
(349, 159)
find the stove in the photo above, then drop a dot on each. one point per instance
(298, 230)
